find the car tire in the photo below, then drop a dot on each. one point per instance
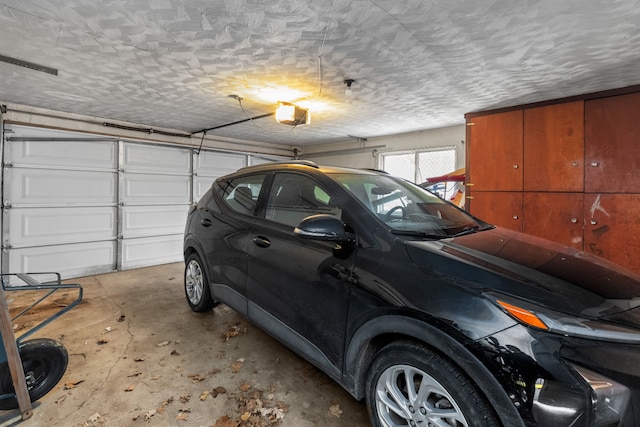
(44, 362)
(450, 399)
(196, 285)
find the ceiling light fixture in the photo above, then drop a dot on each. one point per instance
(349, 82)
(292, 115)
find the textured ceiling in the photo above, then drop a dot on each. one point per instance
(418, 64)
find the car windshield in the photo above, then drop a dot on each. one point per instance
(407, 208)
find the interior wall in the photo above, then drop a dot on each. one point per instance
(364, 153)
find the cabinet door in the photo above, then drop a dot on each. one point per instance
(494, 152)
(612, 151)
(554, 147)
(502, 208)
(612, 228)
(555, 216)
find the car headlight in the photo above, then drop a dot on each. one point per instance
(560, 323)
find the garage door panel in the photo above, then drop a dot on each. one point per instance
(201, 185)
(215, 164)
(69, 260)
(61, 225)
(151, 251)
(59, 187)
(64, 154)
(139, 157)
(141, 221)
(158, 189)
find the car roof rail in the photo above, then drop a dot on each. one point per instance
(375, 170)
(286, 162)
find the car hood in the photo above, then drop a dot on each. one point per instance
(539, 271)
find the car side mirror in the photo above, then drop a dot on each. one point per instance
(323, 227)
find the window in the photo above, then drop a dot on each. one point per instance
(242, 193)
(294, 197)
(417, 166)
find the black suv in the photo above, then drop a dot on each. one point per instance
(433, 316)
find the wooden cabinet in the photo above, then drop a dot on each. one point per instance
(495, 144)
(554, 216)
(554, 147)
(569, 171)
(612, 144)
(502, 208)
(612, 228)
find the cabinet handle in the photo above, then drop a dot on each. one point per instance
(574, 220)
(516, 166)
(594, 222)
(515, 217)
(595, 164)
(574, 164)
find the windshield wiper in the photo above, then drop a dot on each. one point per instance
(470, 230)
(419, 234)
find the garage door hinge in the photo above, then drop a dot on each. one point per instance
(6, 204)
(6, 245)
(8, 164)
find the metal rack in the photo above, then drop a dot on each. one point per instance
(49, 282)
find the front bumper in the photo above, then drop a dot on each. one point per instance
(555, 380)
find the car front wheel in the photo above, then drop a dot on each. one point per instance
(410, 385)
(196, 285)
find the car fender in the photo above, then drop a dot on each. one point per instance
(191, 244)
(362, 349)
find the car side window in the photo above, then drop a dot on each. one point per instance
(294, 197)
(241, 194)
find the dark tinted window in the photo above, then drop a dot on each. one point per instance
(241, 194)
(294, 197)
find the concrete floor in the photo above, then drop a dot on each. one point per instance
(139, 356)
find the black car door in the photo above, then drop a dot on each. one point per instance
(298, 289)
(223, 225)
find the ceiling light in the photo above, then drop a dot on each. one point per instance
(290, 114)
(348, 82)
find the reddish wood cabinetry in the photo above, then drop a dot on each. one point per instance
(554, 148)
(496, 147)
(579, 167)
(612, 144)
(502, 208)
(612, 228)
(554, 216)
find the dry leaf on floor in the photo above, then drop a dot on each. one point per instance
(237, 365)
(130, 388)
(334, 410)
(204, 395)
(149, 414)
(225, 421)
(162, 344)
(196, 378)
(182, 416)
(218, 390)
(72, 384)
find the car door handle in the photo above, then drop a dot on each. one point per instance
(262, 242)
(205, 222)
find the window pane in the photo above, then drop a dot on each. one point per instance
(402, 165)
(242, 193)
(294, 197)
(435, 163)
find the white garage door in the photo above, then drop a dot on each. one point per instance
(81, 204)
